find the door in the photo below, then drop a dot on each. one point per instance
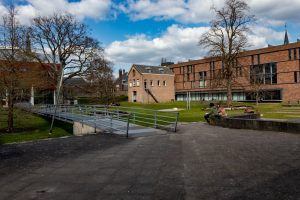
(134, 94)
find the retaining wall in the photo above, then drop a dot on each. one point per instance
(253, 121)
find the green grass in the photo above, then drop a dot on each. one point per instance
(268, 110)
(195, 114)
(30, 127)
(278, 111)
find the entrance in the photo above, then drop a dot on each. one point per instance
(134, 96)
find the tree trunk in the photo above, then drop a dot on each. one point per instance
(10, 116)
(229, 92)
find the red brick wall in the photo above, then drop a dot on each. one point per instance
(277, 54)
(162, 93)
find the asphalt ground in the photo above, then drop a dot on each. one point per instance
(197, 162)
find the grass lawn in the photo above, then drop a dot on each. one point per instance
(278, 111)
(30, 127)
(268, 110)
(195, 114)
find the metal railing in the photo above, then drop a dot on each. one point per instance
(114, 117)
(151, 118)
(89, 115)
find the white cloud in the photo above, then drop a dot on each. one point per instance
(176, 44)
(272, 12)
(96, 9)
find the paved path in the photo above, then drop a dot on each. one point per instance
(198, 162)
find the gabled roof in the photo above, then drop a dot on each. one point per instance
(148, 69)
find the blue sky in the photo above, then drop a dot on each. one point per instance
(144, 31)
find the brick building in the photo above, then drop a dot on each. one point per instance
(149, 84)
(277, 67)
(121, 83)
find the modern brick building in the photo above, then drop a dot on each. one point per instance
(277, 67)
(149, 84)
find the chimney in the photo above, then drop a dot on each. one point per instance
(120, 73)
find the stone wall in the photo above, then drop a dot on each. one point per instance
(252, 121)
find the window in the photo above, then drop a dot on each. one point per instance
(133, 83)
(137, 82)
(297, 77)
(187, 77)
(130, 84)
(238, 71)
(182, 70)
(158, 82)
(252, 60)
(263, 74)
(295, 54)
(151, 83)
(164, 83)
(189, 67)
(258, 58)
(212, 70)
(133, 72)
(202, 79)
(290, 54)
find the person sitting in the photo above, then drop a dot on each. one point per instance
(221, 111)
(249, 110)
(211, 116)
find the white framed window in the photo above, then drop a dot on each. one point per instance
(164, 83)
(137, 82)
(133, 83)
(158, 83)
(151, 83)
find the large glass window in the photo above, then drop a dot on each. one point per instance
(264, 74)
(202, 79)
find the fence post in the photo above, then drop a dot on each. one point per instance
(111, 117)
(118, 113)
(127, 129)
(177, 117)
(155, 119)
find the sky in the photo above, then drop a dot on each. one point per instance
(144, 31)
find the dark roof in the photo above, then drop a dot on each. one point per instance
(74, 81)
(6, 52)
(147, 69)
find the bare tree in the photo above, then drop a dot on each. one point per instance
(100, 80)
(66, 47)
(18, 74)
(227, 38)
(256, 78)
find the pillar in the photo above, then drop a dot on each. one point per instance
(32, 96)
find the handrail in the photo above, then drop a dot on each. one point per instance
(139, 116)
